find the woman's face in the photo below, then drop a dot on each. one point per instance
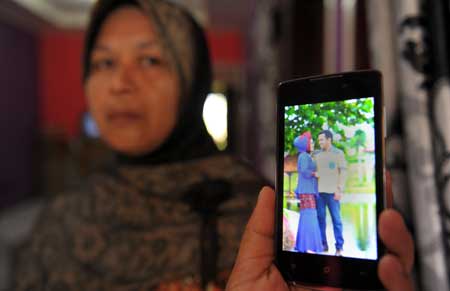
(132, 90)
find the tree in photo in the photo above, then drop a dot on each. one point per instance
(329, 115)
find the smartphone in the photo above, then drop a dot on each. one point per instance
(330, 180)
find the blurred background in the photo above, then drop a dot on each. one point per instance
(49, 141)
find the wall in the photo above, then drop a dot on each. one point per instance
(18, 116)
(60, 86)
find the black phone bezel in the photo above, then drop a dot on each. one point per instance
(326, 270)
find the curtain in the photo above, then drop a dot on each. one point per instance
(405, 36)
(263, 72)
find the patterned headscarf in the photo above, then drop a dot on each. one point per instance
(184, 44)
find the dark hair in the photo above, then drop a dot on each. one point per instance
(327, 133)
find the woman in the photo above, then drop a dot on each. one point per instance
(170, 212)
(308, 234)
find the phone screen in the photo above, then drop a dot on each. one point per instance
(329, 179)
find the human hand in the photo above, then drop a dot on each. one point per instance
(254, 268)
(337, 196)
(395, 267)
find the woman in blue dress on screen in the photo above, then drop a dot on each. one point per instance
(308, 234)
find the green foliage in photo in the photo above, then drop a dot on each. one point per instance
(332, 115)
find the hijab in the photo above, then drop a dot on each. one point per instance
(303, 142)
(184, 41)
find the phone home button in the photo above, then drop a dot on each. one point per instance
(326, 270)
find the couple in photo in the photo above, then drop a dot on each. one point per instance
(321, 179)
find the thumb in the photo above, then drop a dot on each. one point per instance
(254, 269)
(257, 240)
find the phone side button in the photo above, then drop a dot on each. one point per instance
(326, 270)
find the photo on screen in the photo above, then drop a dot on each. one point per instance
(329, 204)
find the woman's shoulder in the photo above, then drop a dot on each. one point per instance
(243, 179)
(240, 173)
(305, 156)
(226, 166)
(222, 176)
(178, 176)
(74, 203)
